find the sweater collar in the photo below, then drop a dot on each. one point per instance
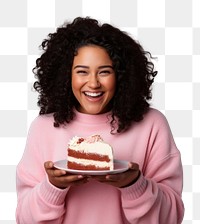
(92, 119)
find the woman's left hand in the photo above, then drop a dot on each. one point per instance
(121, 179)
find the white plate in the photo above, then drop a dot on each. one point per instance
(119, 167)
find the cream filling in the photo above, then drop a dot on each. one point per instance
(87, 162)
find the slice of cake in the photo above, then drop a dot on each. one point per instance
(90, 153)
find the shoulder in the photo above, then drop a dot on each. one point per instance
(154, 113)
(157, 123)
(43, 119)
(42, 122)
(154, 122)
(155, 116)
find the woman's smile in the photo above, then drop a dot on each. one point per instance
(93, 94)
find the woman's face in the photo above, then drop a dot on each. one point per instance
(93, 79)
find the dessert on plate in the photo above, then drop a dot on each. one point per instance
(90, 153)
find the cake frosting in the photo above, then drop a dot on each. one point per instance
(90, 153)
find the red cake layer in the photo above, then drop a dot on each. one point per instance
(77, 166)
(90, 156)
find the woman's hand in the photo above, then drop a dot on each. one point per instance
(121, 179)
(60, 178)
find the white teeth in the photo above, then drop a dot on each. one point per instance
(93, 94)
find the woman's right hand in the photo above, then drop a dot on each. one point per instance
(62, 179)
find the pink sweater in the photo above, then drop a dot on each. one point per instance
(154, 199)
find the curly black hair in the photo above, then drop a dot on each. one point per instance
(132, 65)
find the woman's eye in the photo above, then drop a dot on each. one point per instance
(104, 72)
(81, 72)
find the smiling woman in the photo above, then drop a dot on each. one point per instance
(93, 79)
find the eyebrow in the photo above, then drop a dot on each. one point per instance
(100, 67)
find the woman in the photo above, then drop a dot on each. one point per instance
(95, 79)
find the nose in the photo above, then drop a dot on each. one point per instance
(93, 81)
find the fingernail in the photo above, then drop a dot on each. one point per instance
(80, 176)
(64, 172)
(51, 164)
(107, 177)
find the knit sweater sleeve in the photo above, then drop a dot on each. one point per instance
(38, 200)
(156, 196)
